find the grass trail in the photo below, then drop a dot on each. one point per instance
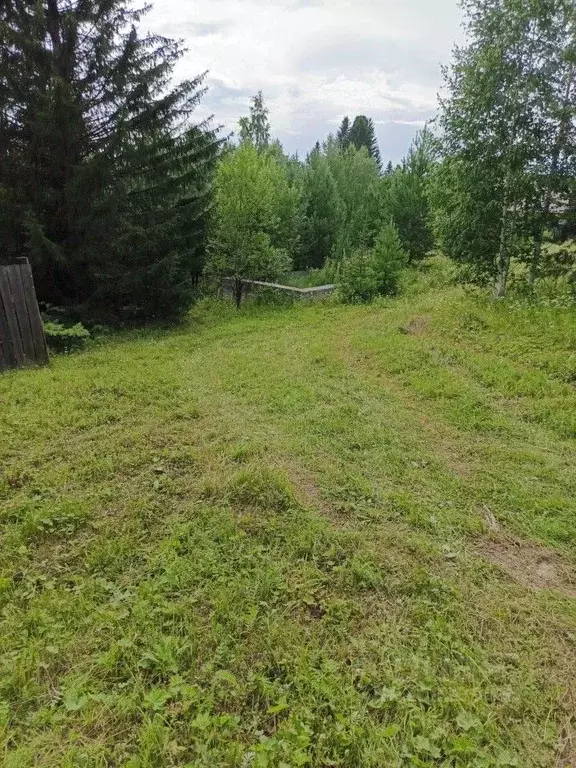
(323, 536)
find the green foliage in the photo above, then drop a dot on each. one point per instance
(357, 177)
(465, 230)
(357, 280)
(363, 134)
(104, 174)
(370, 273)
(404, 197)
(508, 134)
(389, 258)
(65, 339)
(312, 278)
(254, 209)
(255, 129)
(323, 213)
(343, 134)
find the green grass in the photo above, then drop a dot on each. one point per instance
(311, 278)
(256, 541)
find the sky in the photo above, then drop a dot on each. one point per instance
(316, 61)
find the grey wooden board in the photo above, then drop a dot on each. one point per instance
(34, 318)
(7, 359)
(11, 319)
(15, 280)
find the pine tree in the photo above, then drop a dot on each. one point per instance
(104, 179)
(256, 128)
(363, 134)
(343, 135)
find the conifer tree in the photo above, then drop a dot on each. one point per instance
(343, 135)
(104, 180)
(363, 134)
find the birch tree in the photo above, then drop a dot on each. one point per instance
(506, 122)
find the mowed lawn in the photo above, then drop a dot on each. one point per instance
(318, 536)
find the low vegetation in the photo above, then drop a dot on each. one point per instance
(318, 536)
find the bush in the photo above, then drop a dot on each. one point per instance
(376, 272)
(63, 339)
(389, 259)
(357, 282)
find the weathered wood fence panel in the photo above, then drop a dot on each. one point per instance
(22, 339)
(309, 294)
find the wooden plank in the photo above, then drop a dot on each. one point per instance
(11, 319)
(34, 317)
(15, 280)
(6, 354)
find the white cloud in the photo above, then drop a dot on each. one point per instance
(316, 60)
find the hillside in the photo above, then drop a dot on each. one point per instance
(319, 536)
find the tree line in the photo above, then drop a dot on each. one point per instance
(335, 210)
(123, 200)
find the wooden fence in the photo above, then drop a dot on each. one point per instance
(305, 294)
(22, 339)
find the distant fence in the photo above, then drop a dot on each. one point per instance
(307, 294)
(22, 339)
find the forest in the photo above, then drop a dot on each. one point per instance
(129, 209)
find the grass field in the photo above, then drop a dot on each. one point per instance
(318, 536)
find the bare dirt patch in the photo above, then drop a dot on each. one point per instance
(567, 748)
(532, 566)
(566, 755)
(308, 493)
(415, 327)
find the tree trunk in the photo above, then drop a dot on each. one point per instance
(503, 258)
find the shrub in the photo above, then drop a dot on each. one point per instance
(389, 259)
(65, 339)
(371, 273)
(357, 281)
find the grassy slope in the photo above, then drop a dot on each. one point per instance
(255, 542)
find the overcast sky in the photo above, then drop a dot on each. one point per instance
(317, 60)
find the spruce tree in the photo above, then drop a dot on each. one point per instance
(363, 134)
(343, 135)
(105, 178)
